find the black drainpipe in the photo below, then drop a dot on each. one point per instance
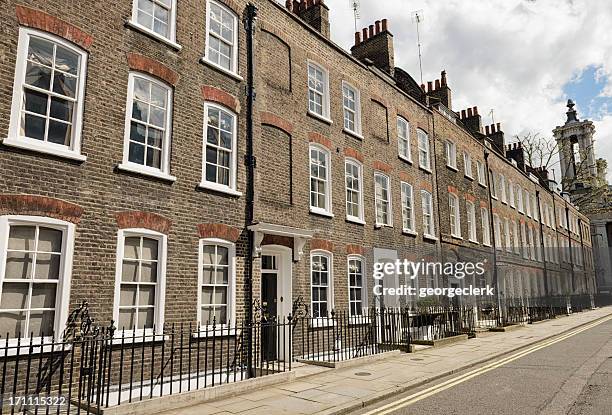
(250, 15)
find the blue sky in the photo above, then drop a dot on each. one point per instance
(521, 58)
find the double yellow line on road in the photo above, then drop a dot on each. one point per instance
(409, 400)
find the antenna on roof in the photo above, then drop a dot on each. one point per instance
(492, 117)
(355, 6)
(418, 17)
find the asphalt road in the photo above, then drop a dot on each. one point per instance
(573, 376)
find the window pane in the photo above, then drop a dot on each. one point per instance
(14, 296)
(35, 101)
(128, 295)
(222, 252)
(208, 275)
(38, 76)
(33, 127)
(145, 19)
(126, 319)
(131, 247)
(41, 323)
(146, 318)
(47, 266)
(129, 271)
(220, 295)
(18, 265)
(21, 237)
(207, 315)
(65, 85)
(40, 50)
(136, 153)
(66, 60)
(153, 158)
(12, 323)
(157, 117)
(43, 295)
(147, 295)
(207, 295)
(222, 274)
(208, 254)
(148, 271)
(61, 109)
(59, 133)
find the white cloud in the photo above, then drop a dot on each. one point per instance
(513, 56)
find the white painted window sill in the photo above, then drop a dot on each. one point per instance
(42, 147)
(409, 232)
(129, 337)
(494, 197)
(219, 188)
(322, 322)
(406, 159)
(39, 345)
(383, 225)
(352, 133)
(320, 117)
(355, 220)
(453, 168)
(425, 169)
(486, 244)
(145, 171)
(457, 237)
(474, 241)
(136, 26)
(204, 60)
(220, 331)
(482, 184)
(430, 237)
(321, 212)
(469, 177)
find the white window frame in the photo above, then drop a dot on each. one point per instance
(493, 177)
(231, 275)
(467, 165)
(233, 71)
(160, 294)
(428, 218)
(480, 172)
(517, 243)
(406, 140)
(327, 211)
(524, 240)
(511, 193)
(532, 250)
(527, 202)
(364, 288)
(325, 101)
(486, 226)
(164, 171)
(357, 112)
(450, 149)
(497, 228)
(62, 296)
(15, 139)
(231, 188)
(423, 145)
(519, 203)
(171, 40)
(357, 219)
(502, 185)
(470, 210)
(389, 201)
(507, 235)
(454, 215)
(321, 320)
(407, 189)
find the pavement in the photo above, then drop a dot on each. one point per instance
(318, 390)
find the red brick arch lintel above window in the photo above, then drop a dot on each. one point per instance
(320, 139)
(384, 167)
(213, 94)
(352, 249)
(352, 153)
(274, 120)
(37, 19)
(452, 190)
(322, 244)
(11, 204)
(140, 219)
(218, 230)
(145, 64)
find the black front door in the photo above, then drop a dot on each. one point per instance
(269, 316)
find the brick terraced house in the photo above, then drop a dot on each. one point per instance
(124, 171)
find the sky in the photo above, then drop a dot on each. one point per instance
(520, 58)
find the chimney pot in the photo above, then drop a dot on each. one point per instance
(437, 84)
(289, 5)
(365, 34)
(371, 30)
(357, 38)
(498, 127)
(429, 86)
(493, 130)
(475, 109)
(309, 3)
(377, 23)
(469, 112)
(423, 87)
(463, 114)
(302, 5)
(384, 25)
(487, 130)
(443, 78)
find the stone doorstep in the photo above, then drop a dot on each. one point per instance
(351, 362)
(442, 342)
(176, 401)
(380, 396)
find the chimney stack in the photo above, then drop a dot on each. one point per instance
(313, 12)
(514, 151)
(471, 120)
(496, 136)
(376, 44)
(441, 92)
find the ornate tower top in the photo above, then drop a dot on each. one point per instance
(571, 112)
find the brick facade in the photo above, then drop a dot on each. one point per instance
(101, 199)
